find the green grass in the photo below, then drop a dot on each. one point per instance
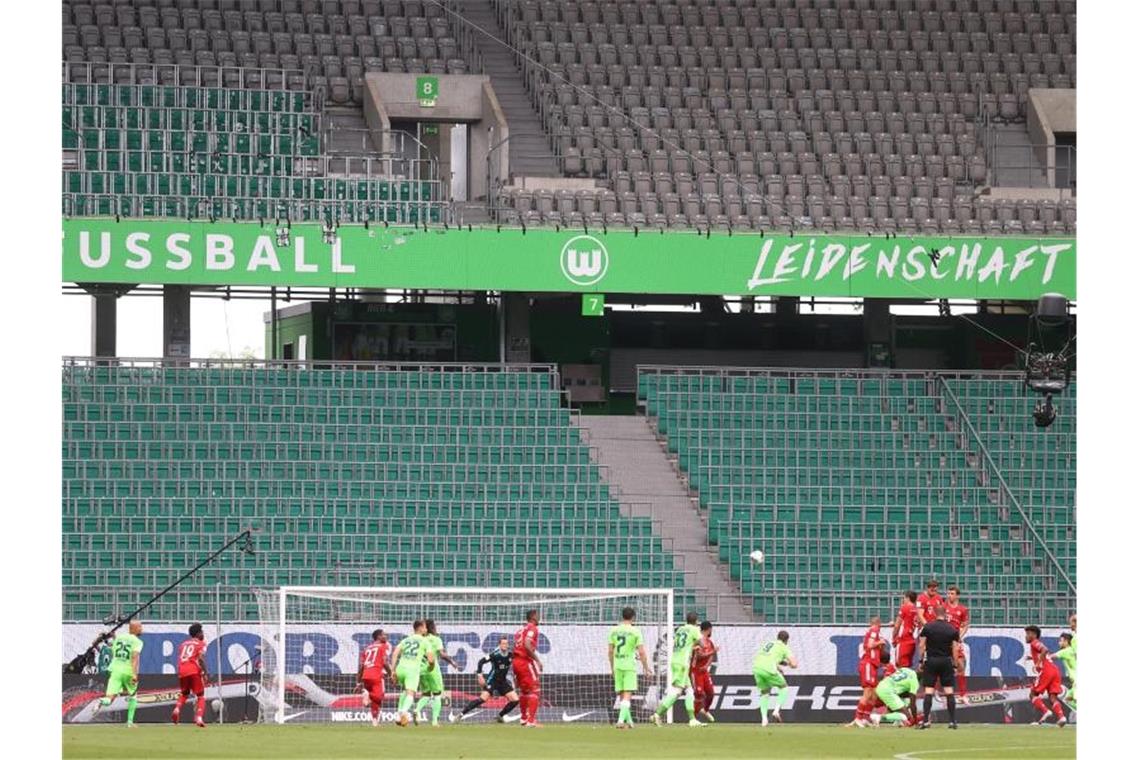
(516, 743)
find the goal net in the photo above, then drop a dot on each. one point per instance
(312, 638)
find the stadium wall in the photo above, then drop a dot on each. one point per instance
(334, 699)
(333, 649)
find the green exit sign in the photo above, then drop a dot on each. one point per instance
(427, 90)
(593, 305)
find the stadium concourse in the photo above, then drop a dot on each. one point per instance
(573, 306)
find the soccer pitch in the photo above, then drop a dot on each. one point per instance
(716, 741)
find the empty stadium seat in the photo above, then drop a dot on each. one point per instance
(844, 480)
(401, 475)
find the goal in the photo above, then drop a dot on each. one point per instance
(312, 636)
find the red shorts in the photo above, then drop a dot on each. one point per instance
(192, 685)
(702, 681)
(868, 674)
(526, 676)
(1048, 682)
(904, 653)
(374, 687)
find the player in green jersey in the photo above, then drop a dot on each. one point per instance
(685, 638)
(766, 669)
(431, 678)
(626, 642)
(123, 673)
(407, 659)
(1068, 655)
(897, 692)
(1073, 631)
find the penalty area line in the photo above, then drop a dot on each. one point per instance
(919, 754)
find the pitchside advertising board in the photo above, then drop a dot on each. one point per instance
(321, 664)
(546, 260)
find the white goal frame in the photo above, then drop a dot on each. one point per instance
(442, 592)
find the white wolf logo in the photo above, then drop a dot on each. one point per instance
(584, 260)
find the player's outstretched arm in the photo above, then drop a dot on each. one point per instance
(791, 661)
(393, 659)
(483, 661)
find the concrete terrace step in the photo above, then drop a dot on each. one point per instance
(529, 149)
(650, 487)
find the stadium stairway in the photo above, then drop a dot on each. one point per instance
(530, 153)
(648, 485)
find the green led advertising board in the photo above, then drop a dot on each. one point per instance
(573, 261)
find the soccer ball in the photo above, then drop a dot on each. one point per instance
(217, 705)
(757, 557)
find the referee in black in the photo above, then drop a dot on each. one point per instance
(939, 650)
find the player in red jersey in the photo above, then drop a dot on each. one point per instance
(887, 669)
(869, 662)
(192, 675)
(699, 674)
(527, 668)
(902, 636)
(1048, 678)
(928, 602)
(373, 669)
(958, 615)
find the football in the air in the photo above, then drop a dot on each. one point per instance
(757, 557)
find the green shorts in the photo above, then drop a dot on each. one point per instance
(766, 680)
(892, 700)
(120, 681)
(625, 680)
(431, 681)
(679, 675)
(408, 674)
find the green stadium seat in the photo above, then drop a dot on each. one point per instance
(144, 444)
(835, 480)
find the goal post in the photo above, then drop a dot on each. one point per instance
(312, 636)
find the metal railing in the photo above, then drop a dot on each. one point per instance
(184, 75)
(324, 364)
(261, 209)
(1034, 166)
(277, 166)
(1006, 491)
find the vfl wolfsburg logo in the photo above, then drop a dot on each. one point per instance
(584, 260)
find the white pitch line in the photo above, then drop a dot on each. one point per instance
(918, 754)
